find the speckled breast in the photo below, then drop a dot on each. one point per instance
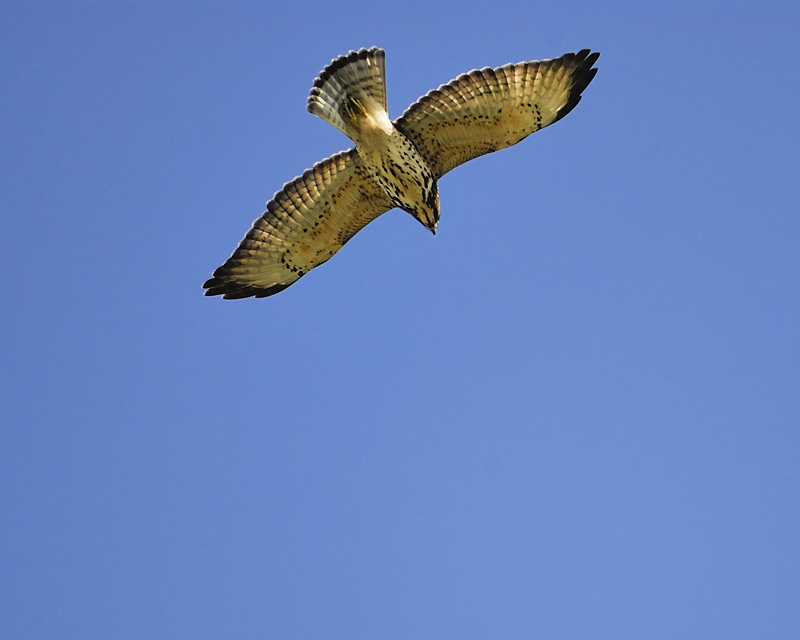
(403, 173)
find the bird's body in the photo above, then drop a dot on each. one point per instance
(393, 164)
(396, 165)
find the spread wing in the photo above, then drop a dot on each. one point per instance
(306, 222)
(490, 109)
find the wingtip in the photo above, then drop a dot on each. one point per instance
(582, 75)
(223, 284)
(237, 291)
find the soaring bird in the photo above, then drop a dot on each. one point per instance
(394, 163)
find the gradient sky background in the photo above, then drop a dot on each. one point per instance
(574, 413)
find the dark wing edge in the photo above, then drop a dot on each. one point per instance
(232, 291)
(584, 73)
(304, 225)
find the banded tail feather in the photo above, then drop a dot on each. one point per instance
(358, 77)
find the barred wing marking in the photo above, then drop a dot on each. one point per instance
(490, 109)
(306, 222)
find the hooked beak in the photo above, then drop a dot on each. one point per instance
(428, 216)
(429, 223)
(433, 222)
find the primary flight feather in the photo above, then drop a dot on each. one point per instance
(393, 164)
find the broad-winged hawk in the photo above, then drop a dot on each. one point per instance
(393, 164)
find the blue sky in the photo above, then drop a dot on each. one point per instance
(572, 414)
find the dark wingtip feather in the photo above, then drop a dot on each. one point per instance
(232, 290)
(581, 76)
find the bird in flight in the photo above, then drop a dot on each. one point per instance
(394, 163)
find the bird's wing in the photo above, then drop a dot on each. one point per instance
(490, 109)
(306, 222)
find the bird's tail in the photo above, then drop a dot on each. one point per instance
(356, 78)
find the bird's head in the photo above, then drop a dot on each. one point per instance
(428, 213)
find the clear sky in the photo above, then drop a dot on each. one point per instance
(574, 413)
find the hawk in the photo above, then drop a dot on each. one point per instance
(394, 163)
